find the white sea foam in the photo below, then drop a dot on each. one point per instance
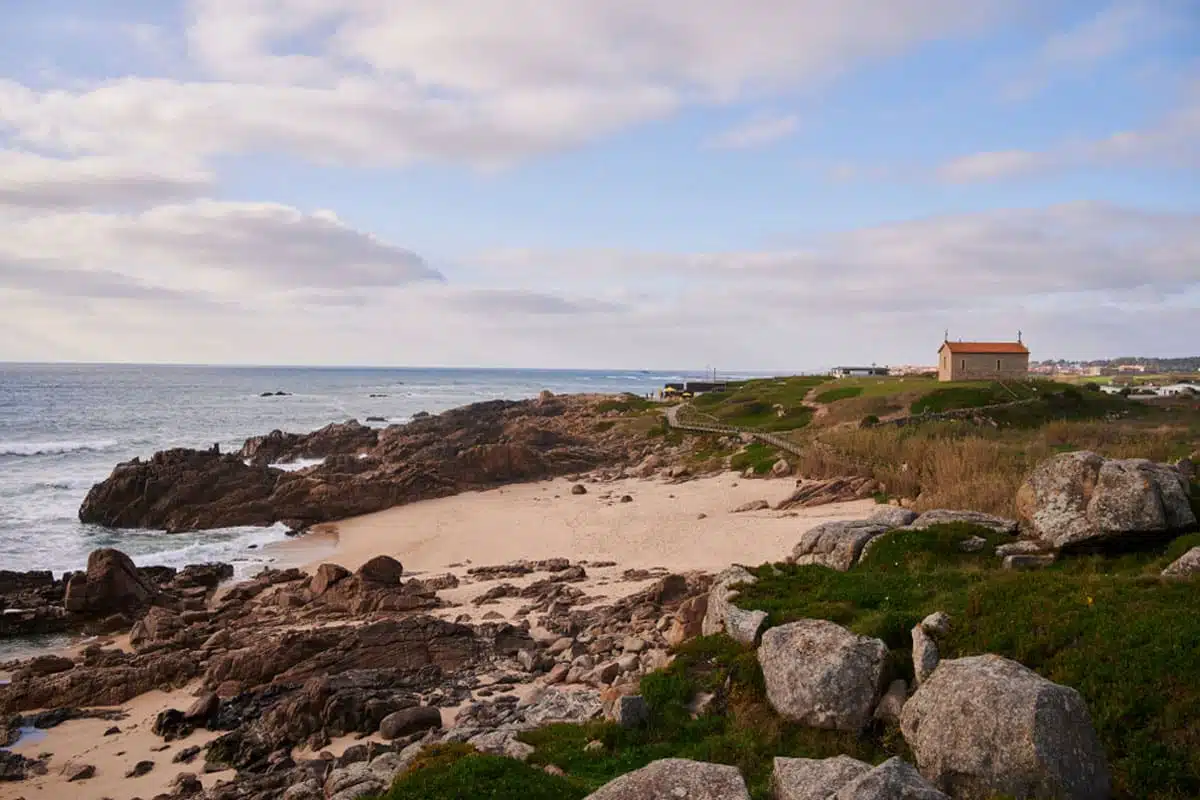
(54, 448)
(299, 464)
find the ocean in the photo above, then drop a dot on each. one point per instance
(64, 427)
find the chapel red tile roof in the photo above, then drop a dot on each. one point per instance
(987, 347)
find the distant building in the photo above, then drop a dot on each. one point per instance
(858, 372)
(969, 361)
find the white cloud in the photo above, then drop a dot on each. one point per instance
(31, 181)
(234, 250)
(1171, 141)
(757, 132)
(1065, 274)
(371, 82)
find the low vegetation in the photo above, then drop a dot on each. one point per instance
(1107, 626)
(771, 404)
(457, 771)
(840, 393)
(757, 456)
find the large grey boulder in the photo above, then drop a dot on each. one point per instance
(837, 545)
(845, 778)
(894, 779)
(813, 778)
(893, 516)
(722, 616)
(1082, 499)
(986, 726)
(1186, 565)
(821, 675)
(676, 779)
(942, 516)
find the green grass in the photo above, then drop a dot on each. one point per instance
(757, 455)
(758, 404)
(626, 404)
(951, 398)
(840, 393)
(449, 772)
(1108, 627)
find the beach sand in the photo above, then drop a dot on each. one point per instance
(81, 742)
(660, 527)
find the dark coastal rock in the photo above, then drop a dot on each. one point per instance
(346, 438)
(365, 469)
(407, 644)
(112, 584)
(109, 681)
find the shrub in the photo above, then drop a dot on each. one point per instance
(869, 421)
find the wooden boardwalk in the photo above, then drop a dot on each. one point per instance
(699, 422)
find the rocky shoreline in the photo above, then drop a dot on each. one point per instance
(328, 684)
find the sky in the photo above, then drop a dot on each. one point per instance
(777, 185)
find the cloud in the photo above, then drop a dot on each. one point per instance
(990, 166)
(365, 82)
(757, 132)
(1112, 31)
(1068, 275)
(525, 302)
(1170, 141)
(31, 181)
(229, 249)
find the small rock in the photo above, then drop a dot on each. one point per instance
(631, 711)
(113, 731)
(925, 654)
(702, 515)
(936, 624)
(626, 498)
(594, 746)
(139, 769)
(551, 769)
(781, 468)
(753, 505)
(892, 703)
(82, 773)
(187, 755)
(409, 720)
(633, 644)
(973, 545)
(579, 488)
(1028, 562)
(1187, 564)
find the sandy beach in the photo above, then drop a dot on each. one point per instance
(659, 527)
(665, 525)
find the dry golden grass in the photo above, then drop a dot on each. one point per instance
(957, 465)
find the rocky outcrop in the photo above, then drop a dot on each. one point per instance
(722, 616)
(364, 469)
(836, 545)
(106, 678)
(676, 778)
(1027, 737)
(339, 438)
(943, 516)
(1082, 500)
(821, 675)
(111, 585)
(1185, 566)
(812, 493)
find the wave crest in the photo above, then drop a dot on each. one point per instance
(54, 448)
